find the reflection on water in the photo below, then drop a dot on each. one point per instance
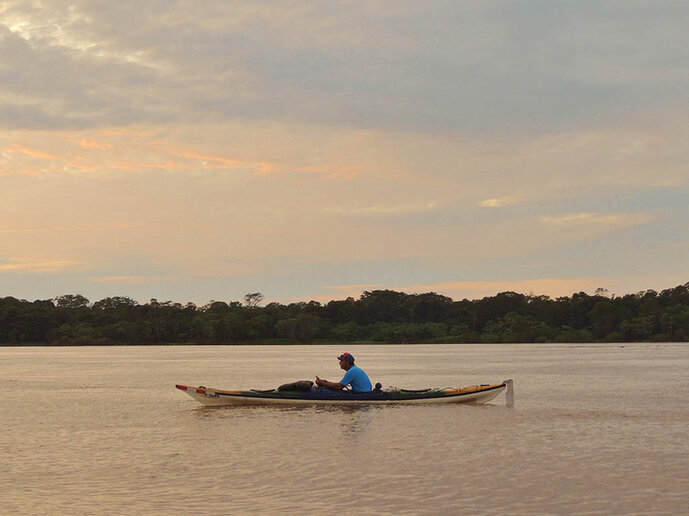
(350, 420)
(353, 420)
(596, 429)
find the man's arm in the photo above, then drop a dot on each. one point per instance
(330, 385)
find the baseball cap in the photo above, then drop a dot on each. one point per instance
(346, 356)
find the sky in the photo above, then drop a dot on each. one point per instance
(309, 150)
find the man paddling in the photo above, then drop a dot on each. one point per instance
(355, 376)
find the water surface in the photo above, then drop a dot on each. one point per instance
(595, 429)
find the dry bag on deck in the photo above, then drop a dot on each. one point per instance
(301, 385)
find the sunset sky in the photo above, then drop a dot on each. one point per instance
(196, 151)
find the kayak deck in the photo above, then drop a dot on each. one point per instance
(473, 394)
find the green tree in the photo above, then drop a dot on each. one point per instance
(260, 326)
(253, 300)
(71, 301)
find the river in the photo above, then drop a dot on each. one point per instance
(596, 429)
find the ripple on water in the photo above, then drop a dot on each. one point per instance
(104, 431)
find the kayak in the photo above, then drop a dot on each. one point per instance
(474, 394)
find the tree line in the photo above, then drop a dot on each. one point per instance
(378, 316)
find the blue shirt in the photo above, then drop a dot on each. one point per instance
(358, 379)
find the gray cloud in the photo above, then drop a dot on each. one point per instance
(432, 65)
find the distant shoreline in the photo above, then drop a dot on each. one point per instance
(316, 344)
(377, 317)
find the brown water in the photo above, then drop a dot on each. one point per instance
(595, 429)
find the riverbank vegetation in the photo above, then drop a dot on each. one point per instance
(379, 316)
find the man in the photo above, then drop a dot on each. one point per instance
(355, 376)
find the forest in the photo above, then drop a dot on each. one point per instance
(378, 316)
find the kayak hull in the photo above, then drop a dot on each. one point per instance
(215, 397)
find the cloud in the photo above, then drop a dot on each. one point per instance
(333, 172)
(332, 293)
(92, 144)
(454, 66)
(553, 287)
(39, 266)
(126, 279)
(96, 227)
(21, 149)
(499, 202)
(107, 151)
(355, 288)
(382, 211)
(614, 220)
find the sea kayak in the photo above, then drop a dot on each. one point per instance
(474, 394)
